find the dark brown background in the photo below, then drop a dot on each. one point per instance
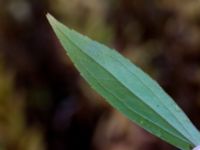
(45, 104)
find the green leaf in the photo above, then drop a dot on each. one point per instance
(127, 88)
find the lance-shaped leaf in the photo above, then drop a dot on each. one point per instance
(127, 88)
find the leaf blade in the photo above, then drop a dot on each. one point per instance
(128, 84)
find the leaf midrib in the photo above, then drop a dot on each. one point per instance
(181, 136)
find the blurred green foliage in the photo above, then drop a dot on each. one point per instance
(13, 131)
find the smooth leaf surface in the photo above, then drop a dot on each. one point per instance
(127, 88)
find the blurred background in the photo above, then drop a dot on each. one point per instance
(46, 105)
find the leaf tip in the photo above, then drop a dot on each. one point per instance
(51, 19)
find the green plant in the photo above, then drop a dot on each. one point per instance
(127, 88)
